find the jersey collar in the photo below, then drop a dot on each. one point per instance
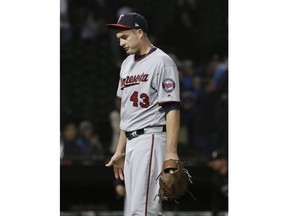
(140, 57)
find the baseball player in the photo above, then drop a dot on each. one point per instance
(150, 116)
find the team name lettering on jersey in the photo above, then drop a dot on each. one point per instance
(133, 80)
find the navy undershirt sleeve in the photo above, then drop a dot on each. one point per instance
(171, 106)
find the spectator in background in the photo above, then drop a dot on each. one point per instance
(219, 163)
(88, 142)
(69, 137)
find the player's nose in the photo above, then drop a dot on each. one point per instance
(122, 43)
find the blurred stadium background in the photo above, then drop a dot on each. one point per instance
(195, 34)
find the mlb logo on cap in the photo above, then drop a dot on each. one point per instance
(130, 21)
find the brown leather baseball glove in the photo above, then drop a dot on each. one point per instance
(173, 181)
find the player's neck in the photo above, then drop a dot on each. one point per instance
(146, 48)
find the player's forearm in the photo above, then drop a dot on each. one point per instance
(121, 142)
(173, 129)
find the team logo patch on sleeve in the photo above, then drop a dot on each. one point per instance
(168, 85)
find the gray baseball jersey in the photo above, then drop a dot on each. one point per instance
(144, 85)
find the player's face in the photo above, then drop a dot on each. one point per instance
(129, 40)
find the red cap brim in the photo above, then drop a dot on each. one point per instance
(118, 26)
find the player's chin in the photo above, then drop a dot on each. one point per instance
(128, 51)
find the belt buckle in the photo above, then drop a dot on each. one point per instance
(131, 135)
(134, 134)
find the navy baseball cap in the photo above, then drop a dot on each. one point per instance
(130, 21)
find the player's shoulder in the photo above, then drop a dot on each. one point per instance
(163, 57)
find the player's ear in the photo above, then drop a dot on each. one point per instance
(140, 33)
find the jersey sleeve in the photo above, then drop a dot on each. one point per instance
(167, 84)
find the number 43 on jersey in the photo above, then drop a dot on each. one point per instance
(142, 101)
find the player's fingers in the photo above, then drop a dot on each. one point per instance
(116, 173)
(121, 174)
(109, 164)
(116, 176)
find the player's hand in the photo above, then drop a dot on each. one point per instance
(173, 156)
(117, 161)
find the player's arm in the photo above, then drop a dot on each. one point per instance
(168, 88)
(172, 130)
(117, 160)
(121, 143)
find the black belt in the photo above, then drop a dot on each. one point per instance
(133, 134)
